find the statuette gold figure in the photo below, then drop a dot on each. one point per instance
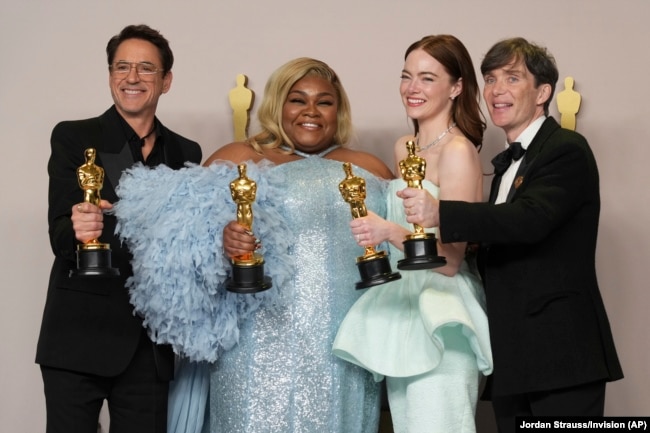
(413, 170)
(374, 265)
(420, 250)
(248, 269)
(93, 256)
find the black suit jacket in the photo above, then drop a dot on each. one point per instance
(88, 323)
(548, 325)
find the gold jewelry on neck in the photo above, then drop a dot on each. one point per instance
(434, 142)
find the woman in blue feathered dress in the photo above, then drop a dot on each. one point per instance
(281, 375)
(271, 366)
(427, 333)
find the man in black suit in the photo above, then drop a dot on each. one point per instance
(551, 341)
(91, 346)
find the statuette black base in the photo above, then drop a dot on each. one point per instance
(248, 279)
(421, 253)
(375, 271)
(94, 263)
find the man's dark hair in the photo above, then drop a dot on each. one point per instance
(145, 33)
(537, 59)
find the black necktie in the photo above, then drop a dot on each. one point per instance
(502, 161)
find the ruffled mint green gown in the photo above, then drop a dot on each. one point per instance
(403, 329)
(282, 376)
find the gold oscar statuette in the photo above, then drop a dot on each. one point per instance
(93, 256)
(420, 251)
(374, 266)
(247, 270)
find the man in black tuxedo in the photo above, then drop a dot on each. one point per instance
(551, 341)
(91, 346)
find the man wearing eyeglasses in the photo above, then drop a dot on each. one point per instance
(91, 346)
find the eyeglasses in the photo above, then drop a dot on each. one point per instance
(144, 69)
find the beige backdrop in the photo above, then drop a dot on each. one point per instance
(53, 67)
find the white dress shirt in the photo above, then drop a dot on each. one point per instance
(509, 176)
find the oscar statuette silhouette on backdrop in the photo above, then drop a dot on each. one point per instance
(241, 100)
(420, 251)
(93, 256)
(568, 104)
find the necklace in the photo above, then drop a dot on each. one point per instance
(434, 142)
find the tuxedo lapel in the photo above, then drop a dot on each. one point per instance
(115, 154)
(115, 163)
(494, 189)
(547, 128)
(174, 158)
(519, 178)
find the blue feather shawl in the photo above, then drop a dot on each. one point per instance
(172, 222)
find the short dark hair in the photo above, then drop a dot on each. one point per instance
(537, 59)
(145, 33)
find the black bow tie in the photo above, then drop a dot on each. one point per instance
(502, 161)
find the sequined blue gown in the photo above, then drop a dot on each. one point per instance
(282, 376)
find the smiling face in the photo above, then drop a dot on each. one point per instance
(309, 114)
(137, 96)
(512, 99)
(426, 87)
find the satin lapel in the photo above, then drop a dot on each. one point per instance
(494, 189)
(116, 163)
(172, 150)
(114, 154)
(519, 178)
(548, 127)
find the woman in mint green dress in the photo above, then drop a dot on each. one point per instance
(427, 333)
